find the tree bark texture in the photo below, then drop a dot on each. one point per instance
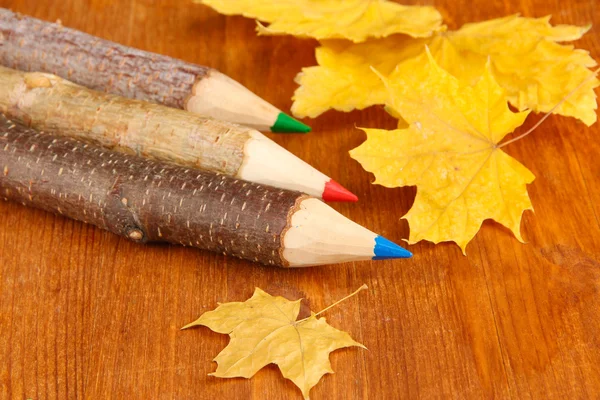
(144, 200)
(50, 103)
(33, 45)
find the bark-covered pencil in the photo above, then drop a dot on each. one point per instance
(49, 103)
(148, 201)
(38, 46)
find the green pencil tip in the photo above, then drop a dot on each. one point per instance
(287, 124)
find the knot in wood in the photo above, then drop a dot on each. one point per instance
(135, 234)
(38, 80)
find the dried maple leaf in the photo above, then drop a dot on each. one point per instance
(356, 20)
(525, 58)
(264, 330)
(450, 152)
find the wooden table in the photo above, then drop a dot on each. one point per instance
(86, 314)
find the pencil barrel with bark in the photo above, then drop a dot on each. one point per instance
(33, 45)
(149, 201)
(49, 103)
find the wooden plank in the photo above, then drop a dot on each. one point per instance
(85, 314)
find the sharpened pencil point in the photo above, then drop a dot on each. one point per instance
(335, 192)
(385, 249)
(287, 124)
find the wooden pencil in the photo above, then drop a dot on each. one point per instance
(151, 201)
(33, 45)
(49, 103)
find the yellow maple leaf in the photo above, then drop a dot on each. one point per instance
(355, 20)
(450, 152)
(524, 55)
(264, 330)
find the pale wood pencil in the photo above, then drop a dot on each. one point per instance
(49, 103)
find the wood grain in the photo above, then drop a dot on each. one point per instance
(85, 314)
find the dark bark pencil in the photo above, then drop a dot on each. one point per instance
(150, 201)
(52, 104)
(33, 45)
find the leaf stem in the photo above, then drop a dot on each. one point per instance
(545, 117)
(363, 287)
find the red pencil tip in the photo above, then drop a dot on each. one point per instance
(336, 192)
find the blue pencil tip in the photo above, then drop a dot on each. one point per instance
(384, 249)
